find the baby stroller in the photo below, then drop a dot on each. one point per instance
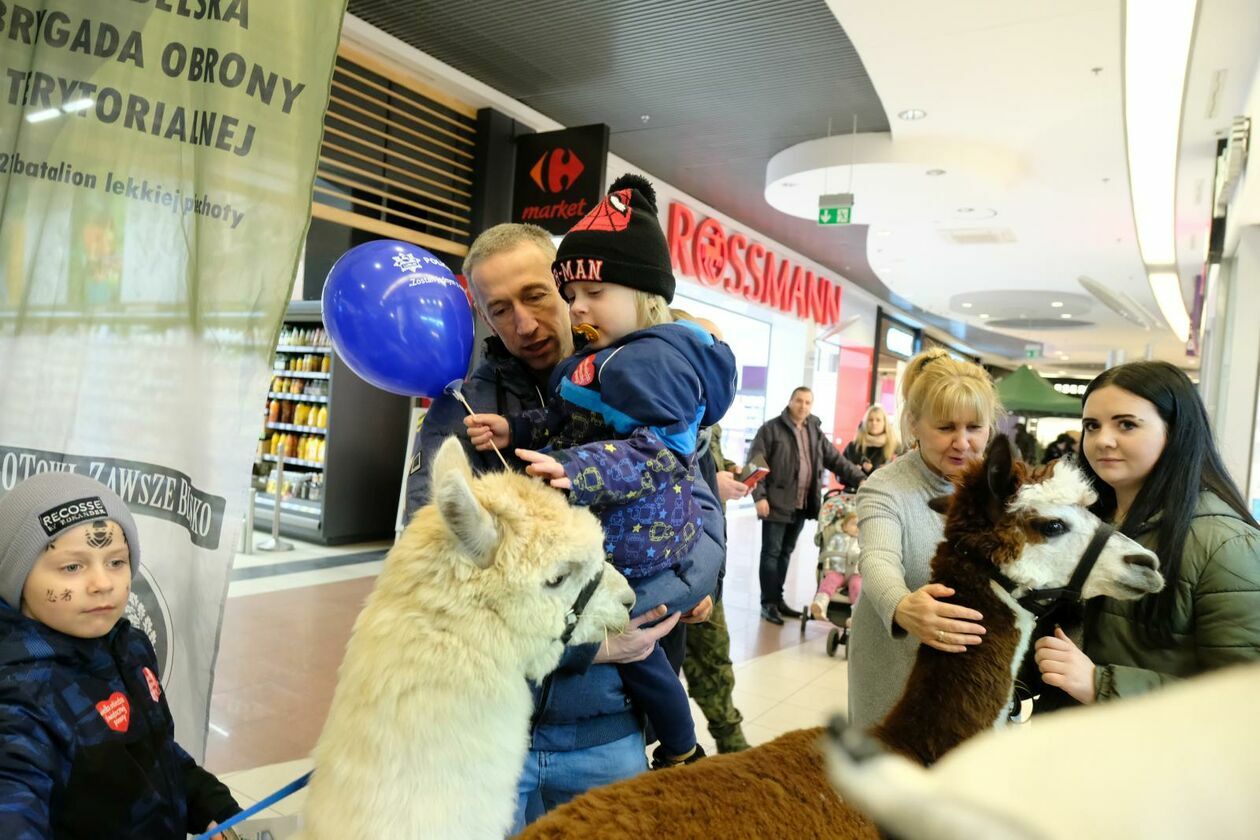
(833, 545)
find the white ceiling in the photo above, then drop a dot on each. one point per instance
(1025, 116)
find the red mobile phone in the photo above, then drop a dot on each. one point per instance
(755, 476)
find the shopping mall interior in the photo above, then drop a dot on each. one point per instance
(1043, 191)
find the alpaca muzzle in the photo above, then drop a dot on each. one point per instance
(1039, 602)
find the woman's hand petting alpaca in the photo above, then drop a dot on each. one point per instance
(1063, 665)
(486, 431)
(545, 467)
(946, 627)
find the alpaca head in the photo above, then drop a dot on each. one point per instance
(517, 557)
(1035, 525)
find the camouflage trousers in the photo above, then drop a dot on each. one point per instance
(711, 679)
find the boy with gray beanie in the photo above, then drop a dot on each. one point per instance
(87, 741)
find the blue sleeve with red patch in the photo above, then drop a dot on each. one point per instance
(646, 384)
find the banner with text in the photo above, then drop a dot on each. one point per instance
(156, 165)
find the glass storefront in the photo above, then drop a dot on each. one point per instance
(749, 338)
(897, 342)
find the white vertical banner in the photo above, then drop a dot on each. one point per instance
(156, 165)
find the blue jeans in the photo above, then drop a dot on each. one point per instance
(551, 779)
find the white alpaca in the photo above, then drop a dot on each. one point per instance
(428, 728)
(1181, 762)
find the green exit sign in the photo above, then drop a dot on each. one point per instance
(834, 215)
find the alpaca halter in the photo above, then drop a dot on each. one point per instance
(1041, 601)
(574, 615)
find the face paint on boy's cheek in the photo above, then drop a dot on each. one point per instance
(65, 596)
(50, 596)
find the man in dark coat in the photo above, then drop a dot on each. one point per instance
(584, 732)
(793, 447)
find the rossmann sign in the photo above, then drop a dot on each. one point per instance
(746, 268)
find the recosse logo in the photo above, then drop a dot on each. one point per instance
(72, 513)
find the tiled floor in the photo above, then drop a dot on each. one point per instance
(284, 633)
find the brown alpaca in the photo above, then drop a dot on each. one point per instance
(1025, 523)
(724, 796)
(1032, 527)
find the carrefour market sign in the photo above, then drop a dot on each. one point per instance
(748, 269)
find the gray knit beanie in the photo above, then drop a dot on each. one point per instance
(36, 510)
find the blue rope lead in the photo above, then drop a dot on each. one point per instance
(288, 790)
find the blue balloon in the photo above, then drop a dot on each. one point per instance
(398, 317)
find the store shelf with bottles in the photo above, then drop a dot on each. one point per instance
(290, 427)
(345, 441)
(268, 500)
(309, 348)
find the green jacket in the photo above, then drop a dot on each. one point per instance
(1216, 618)
(715, 447)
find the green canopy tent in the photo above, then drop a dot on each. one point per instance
(1027, 393)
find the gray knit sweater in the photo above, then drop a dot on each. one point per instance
(899, 535)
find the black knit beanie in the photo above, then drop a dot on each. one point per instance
(620, 241)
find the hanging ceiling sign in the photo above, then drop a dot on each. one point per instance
(559, 176)
(747, 269)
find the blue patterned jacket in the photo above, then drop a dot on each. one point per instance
(87, 742)
(623, 421)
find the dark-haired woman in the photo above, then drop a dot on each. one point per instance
(1149, 450)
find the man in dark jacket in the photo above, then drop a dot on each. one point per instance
(584, 731)
(793, 447)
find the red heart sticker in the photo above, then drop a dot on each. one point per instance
(585, 373)
(116, 711)
(155, 688)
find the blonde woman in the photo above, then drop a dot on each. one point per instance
(949, 408)
(876, 443)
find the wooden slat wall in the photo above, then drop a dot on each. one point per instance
(396, 158)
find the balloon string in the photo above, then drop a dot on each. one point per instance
(460, 396)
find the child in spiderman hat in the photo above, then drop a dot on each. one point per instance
(619, 432)
(89, 742)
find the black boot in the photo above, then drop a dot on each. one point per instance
(788, 612)
(771, 614)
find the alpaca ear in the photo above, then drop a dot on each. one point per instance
(999, 475)
(940, 504)
(470, 523)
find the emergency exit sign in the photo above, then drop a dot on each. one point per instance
(834, 215)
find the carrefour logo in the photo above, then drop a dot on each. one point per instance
(556, 171)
